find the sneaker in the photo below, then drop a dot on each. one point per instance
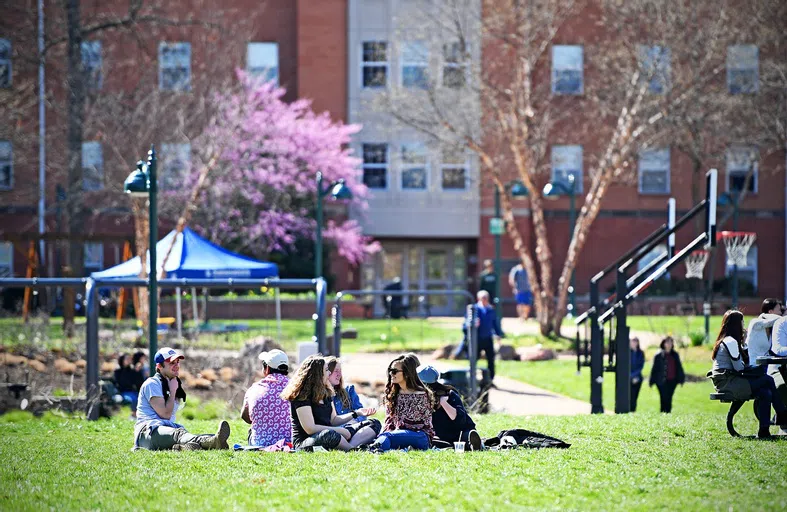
(474, 440)
(218, 441)
(186, 447)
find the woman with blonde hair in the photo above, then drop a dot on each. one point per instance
(345, 398)
(408, 408)
(314, 419)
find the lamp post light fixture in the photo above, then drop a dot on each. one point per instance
(732, 199)
(142, 183)
(517, 189)
(337, 190)
(554, 190)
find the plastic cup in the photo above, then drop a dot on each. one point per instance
(459, 447)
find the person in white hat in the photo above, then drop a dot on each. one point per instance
(159, 398)
(263, 407)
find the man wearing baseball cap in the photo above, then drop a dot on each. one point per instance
(266, 411)
(159, 398)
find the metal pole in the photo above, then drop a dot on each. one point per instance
(179, 314)
(497, 249)
(319, 316)
(41, 133)
(472, 332)
(318, 237)
(93, 392)
(735, 266)
(596, 354)
(622, 351)
(572, 219)
(153, 267)
(337, 328)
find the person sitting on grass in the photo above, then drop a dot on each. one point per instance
(450, 419)
(156, 428)
(314, 419)
(667, 373)
(408, 408)
(730, 359)
(263, 407)
(345, 399)
(128, 381)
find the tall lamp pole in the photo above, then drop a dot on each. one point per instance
(554, 190)
(142, 183)
(517, 189)
(338, 190)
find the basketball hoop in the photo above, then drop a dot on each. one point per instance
(738, 244)
(695, 264)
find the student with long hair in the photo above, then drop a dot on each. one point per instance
(637, 364)
(314, 419)
(128, 381)
(667, 373)
(450, 419)
(345, 398)
(730, 359)
(408, 408)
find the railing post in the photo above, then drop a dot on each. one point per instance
(92, 388)
(319, 317)
(336, 314)
(472, 335)
(622, 349)
(596, 353)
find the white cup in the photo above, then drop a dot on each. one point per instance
(459, 447)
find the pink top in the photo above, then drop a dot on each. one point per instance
(412, 413)
(269, 412)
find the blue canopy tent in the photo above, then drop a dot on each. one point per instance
(194, 257)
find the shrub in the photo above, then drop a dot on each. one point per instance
(697, 338)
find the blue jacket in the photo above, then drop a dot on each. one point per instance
(487, 322)
(355, 403)
(637, 364)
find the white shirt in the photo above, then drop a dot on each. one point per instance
(757, 338)
(779, 337)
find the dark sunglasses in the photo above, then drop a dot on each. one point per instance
(393, 371)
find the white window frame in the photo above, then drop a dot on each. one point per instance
(453, 58)
(446, 165)
(560, 173)
(376, 64)
(260, 57)
(174, 153)
(752, 265)
(560, 52)
(92, 64)
(7, 155)
(415, 148)
(7, 259)
(409, 49)
(661, 58)
(386, 166)
(738, 60)
(183, 62)
(652, 161)
(91, 149)
(734, 168)
(6, 62)
(93, 249)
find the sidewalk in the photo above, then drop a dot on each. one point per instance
(510, 397)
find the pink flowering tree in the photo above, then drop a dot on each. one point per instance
(260, 193)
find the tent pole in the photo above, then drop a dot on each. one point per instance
(179, 315)
(278, 315)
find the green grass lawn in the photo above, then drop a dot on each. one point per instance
(674, 325)
(627, 462)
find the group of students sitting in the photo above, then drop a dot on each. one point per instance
(735, 369)
(314, 409)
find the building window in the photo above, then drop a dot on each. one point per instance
(749, 271)
(262, 61)
(454, 65)
(175, 164)
(567, 160)
(94, 257)
(91, 64)
(5, 63)
(743, 69)
(374, 64)
(6, 259)
(567, 69)
(174, 67)
(742, 165)
(375, 165)
(415, 65)
(454, 169)
(414, 166)
(92, 166)
(655, 65)
(654, 171)
(6, 165)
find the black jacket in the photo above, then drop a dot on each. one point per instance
(658, 375)
(447, 429)
(128, 379)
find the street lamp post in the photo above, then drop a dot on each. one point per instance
(731, 199)
(517, 189)
(553, 190)
(338, 190)
(142, 183)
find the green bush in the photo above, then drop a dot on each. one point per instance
(696, 338)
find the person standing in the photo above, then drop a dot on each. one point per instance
(487, 281)
(263, 407)
(637, 364)
(488, 327)
(667, 373)
(517, 278)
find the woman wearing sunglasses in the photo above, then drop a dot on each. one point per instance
(408, 408)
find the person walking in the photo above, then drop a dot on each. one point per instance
(487, 281)
(637, 364)
(488, 327)
(517, 278)
(667, 373)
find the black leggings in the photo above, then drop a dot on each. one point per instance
(764, 389)
(666, 390)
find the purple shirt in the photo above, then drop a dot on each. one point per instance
(269, 412)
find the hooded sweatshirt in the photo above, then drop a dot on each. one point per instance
(757, 337)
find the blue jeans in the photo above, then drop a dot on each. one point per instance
(398, 439)
(130, 397)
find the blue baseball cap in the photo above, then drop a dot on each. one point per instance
(167, 354)
(428, 374)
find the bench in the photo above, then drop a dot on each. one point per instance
(727, 398)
